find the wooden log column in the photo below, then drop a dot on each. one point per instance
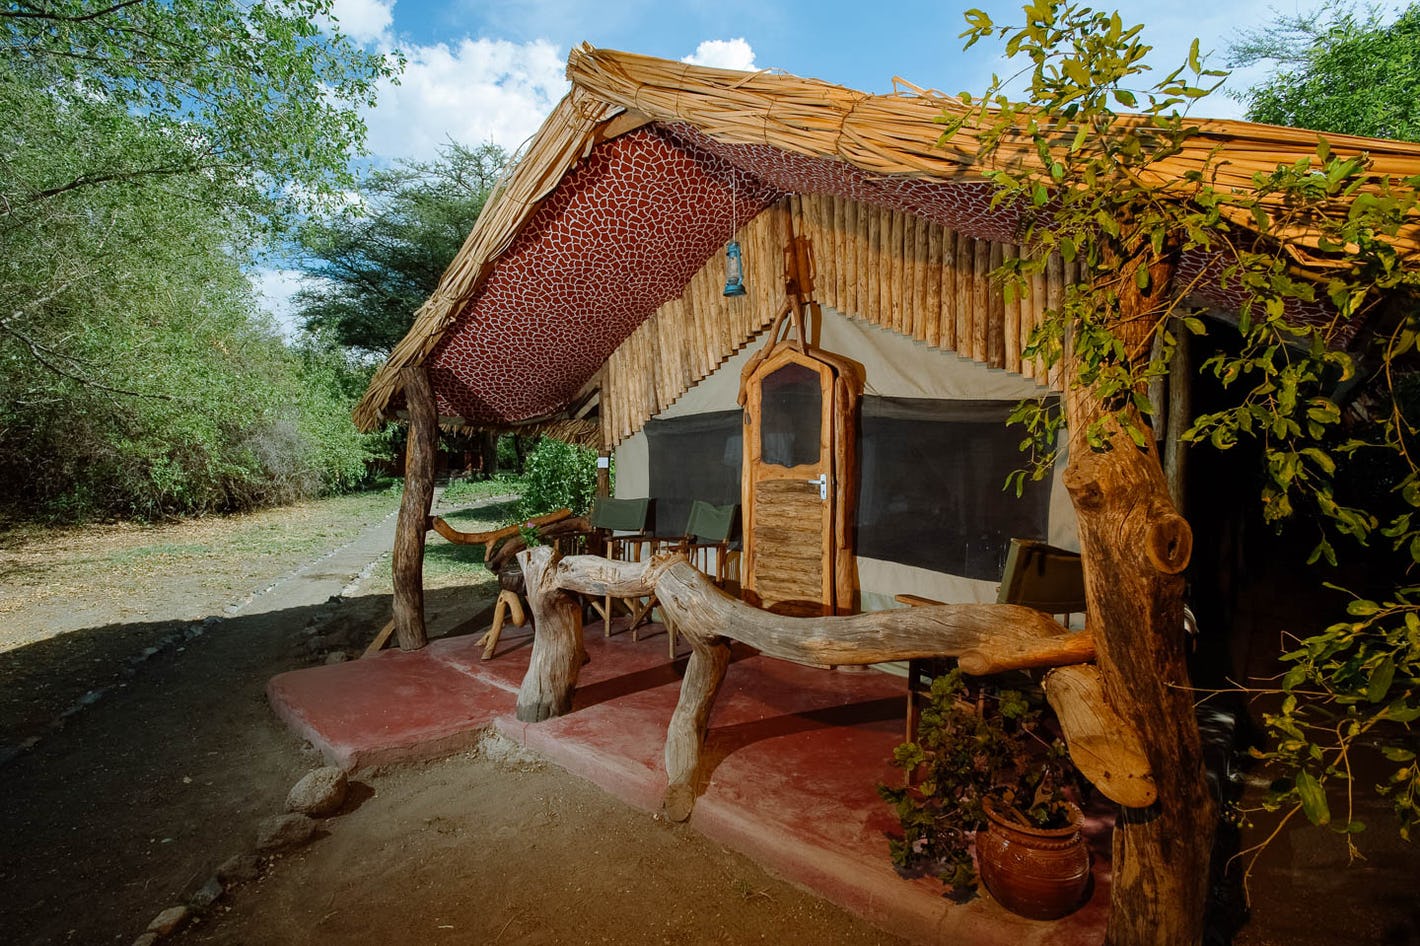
(557, 651)
(407, 563)
(1135, 547)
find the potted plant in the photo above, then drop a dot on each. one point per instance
(985, 775)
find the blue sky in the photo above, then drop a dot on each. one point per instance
(491, 70)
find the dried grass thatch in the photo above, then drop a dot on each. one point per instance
(882, 135)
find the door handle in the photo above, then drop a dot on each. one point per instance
(821, 481)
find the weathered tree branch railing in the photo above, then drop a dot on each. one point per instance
(501, 544)
(985, 638)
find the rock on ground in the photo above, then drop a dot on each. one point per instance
(319, 793)
(239, 869)
(167, 922)
(207, 894)
(282, 832)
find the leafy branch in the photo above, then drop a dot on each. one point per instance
(1090, 195)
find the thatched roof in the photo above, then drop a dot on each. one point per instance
(647, 166)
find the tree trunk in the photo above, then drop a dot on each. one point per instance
(488, 451)
(407, 563)
(1135, 547)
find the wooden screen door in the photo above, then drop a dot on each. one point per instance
(798, 481)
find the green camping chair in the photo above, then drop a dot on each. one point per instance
(708, 529)
(708, 544)
(1037, 575)
(619, 530)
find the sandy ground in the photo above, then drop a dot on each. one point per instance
(139, 754)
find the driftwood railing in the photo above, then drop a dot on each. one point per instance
(985, 638)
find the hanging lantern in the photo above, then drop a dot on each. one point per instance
(734, 270)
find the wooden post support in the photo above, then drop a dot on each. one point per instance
(1180, 418)
(709, 658)
(407, 565)
(603, 474)
(1135, 547)
(557, 650)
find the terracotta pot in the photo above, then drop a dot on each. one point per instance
(1039, 873)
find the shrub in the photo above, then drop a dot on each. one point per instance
(558, 474)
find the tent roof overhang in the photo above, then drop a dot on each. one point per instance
(647, 167)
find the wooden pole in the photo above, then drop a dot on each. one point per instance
(604, 473)
(1180, 418)
(407, 564)
(557, 650)
(1135, 547)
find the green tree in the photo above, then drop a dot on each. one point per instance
(138, 378)
(1335, 69)
(146, 147)
(258, 98)
(1090, 186)
(375, 261)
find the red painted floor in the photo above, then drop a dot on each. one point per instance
(791, 760)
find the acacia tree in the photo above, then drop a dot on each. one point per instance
(375, 261)
(146, 147)
(261, 99)
(1092, 193)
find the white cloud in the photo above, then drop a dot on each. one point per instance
(364, 21)
(275, 289)
(723, 54)
(474, 92)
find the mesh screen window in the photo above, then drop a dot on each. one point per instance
(696, 457)
(930, 480)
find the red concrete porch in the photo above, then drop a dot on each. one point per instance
(791, 762)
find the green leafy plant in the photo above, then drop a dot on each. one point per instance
(558, 474)
(965, 752)
(1098, 199)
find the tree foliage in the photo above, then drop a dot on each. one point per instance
(1336, 69)
(147, 148)
(1090, 199)
(261, 99)
(558, 474)
(375, 261)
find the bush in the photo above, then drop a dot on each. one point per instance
(558, 474)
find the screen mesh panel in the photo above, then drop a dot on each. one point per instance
(792, 423)
(696, 457)
(931, 478)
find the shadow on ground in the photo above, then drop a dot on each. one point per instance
(127, 804)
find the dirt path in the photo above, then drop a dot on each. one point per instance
(140, 754)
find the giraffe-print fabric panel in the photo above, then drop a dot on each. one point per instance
(618, 236)
(1211, 289)
(964, 206)
(627, 229)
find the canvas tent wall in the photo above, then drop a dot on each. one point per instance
(933, 451)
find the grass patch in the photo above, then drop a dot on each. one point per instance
(470, 490)
(219, 556)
